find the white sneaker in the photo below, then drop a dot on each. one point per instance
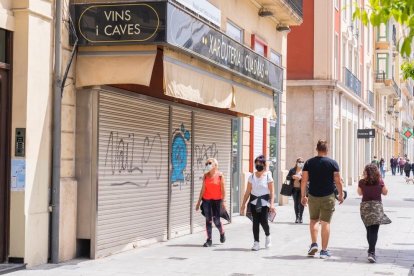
(256, 246)
(268, 242)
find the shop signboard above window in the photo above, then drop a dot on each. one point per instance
(123, 23)
(187, 32)
(164, 23)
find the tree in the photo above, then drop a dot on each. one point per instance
(380, 11)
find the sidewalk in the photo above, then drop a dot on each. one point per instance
(185, 256)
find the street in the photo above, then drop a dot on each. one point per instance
(348, 245)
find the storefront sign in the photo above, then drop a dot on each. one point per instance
(365, 133)
(146, 23)
(407, 133)
(106, 24)
(189, 33)
(204, 9)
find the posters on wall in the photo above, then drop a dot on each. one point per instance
(18, 174)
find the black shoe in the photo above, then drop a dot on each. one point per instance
(300, 220)
(208, 243)
(222, 238)
(297, 220)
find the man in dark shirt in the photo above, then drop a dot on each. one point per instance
(322, 173)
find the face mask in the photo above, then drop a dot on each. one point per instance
(300, 165)
(259, 168)
(208, 168)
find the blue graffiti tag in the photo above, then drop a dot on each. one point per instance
(179, 154)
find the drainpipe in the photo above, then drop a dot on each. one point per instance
(56, 150)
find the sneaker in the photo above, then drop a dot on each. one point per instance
(256, 246)
(222, 238)
(324, 254)
(268, 242)
(371, 258)
(297, 220)
(313, 249)
(208, 243)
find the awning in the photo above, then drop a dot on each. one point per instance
(187, 82)
(192, 80)
(254, 103)
(114, 67)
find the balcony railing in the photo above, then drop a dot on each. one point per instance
(370, 98)
(297, 6)
(396, 88)
(381, 76)
(352, 82)
(410, 89)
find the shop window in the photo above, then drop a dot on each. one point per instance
(336, 54)
(382, 32)
(3, 46)
(382, 64)
(276, 58)
(259, 46)
(235, 32)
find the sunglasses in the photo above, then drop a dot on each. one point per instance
(208, 163)
(301, 162)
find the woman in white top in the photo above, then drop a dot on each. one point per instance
(260, 194)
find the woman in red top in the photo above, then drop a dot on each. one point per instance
(213, 195)
(371, 188)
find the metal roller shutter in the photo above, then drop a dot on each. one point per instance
(132, 172)
(180, 172)
(212, 138)
(258, 137)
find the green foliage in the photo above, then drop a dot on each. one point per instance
(380, 11)
(408, 69)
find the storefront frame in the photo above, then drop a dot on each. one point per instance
(5, 144)
(91, 142)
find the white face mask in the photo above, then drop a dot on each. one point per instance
(300, 165)
(208, 168)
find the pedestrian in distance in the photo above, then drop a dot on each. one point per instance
(382, 167)
(407, 168)
(375, 161)
(371, 187)
(412, 168)
(401, 165)
(294, 177)
(213, 197)
(259, 194)
(393, 165)
(323, 174)
(398, 164)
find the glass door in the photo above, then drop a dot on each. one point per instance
(236, 153)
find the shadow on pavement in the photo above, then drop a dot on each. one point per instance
(234, 249)
(72, 263)
(397, 257)
(185, 245)
(289, 257)
(353, 255)
(291, 223)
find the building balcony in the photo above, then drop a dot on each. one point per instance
(286, 12)
(352, 82)
(370, 98)
(297, 6)
(387, 85)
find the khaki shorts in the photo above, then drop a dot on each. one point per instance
(321, 208)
